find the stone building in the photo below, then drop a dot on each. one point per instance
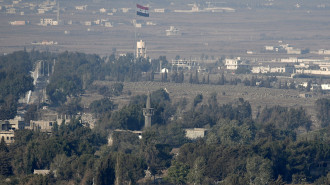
(148, 112)
(194, 133)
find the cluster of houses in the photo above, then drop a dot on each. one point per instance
(195, 8)
(45, 7)
(288, 65)
(8, 127)
(293, 66)
(45, 43)
(288, 49)
(19, 7)
(285, 48)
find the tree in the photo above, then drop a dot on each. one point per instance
(197, 172)
(129, 117)
(181, 77)
(231, 133)
(157, 155)
(278, 181)
(160, 96)
(196, 79)
(177, 173)
(128, 168)
(8, 107)
(285, 86)
(99, 107)
(309, 86)
(322, 107)
(259, 170)
(15, 81)
(208, 78)
(323, 180)
(31, 113)
(212, 101)
(3, 145)
(164, 76)
(5, 166)
(174, 77)
(242, 70)
(117, 89)
(71, 107)
(198, 99)
(106, 172)
(284, 118)
(61, 164)
(292, 85)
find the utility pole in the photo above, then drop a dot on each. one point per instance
(58, 11)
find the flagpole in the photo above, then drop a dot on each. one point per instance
(134, 52)
(143, 11)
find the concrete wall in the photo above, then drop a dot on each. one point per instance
(195, 133)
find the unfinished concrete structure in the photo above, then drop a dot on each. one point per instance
(8, 127)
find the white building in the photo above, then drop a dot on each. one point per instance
(88, 23)
(233, 64)
(324, 66)
(160, 10)
(172, 31)
(269, 48)
(41, 11)
(277, 70)
(83, 7)
(325, 87)
(141, 50)
(293, 51)
(97, 22)
(108, 24)
(260, 69)
(48, 22)
(125, 10)
(301, 66)
(183, 64)
(195, 133)
(324, 52)
(103, 10)
(289, 60)
(18, 23)
(150, 23)
(164, 70)
(11, 11)
(312, 72)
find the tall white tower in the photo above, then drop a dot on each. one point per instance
(148, 112)
(141, 50)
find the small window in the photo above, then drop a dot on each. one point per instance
(50, 124)
(12, 138)
(7, 138)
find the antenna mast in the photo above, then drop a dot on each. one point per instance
(58, 11)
